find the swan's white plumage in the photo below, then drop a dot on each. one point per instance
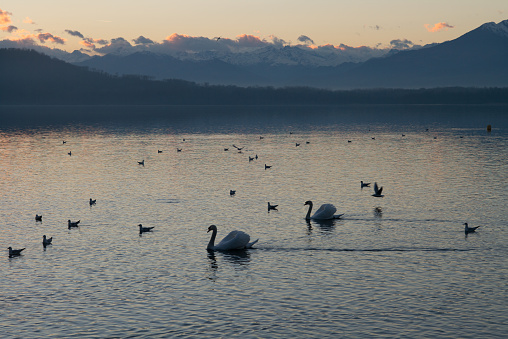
(324, 212)
(235, 240)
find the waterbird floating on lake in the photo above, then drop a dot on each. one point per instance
(468, 229)
(235, 240)
(73, 223)
(364, 184)
(325, 212)
(92, 202)
(46, 241)
(13, 253)
(143, 229)
(272, 207)
(159, 151)
(70, 153)
(178, 149)
(142, 162)
(38, 217)
(232, 192)
(267, 167)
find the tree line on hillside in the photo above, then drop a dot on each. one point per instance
(31, 78)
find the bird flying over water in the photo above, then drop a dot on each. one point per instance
(377, 191)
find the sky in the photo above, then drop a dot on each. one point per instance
(93, 25)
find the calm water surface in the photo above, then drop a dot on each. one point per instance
(398, 266)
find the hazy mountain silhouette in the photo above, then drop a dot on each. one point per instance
(29, 77)
(478, 59)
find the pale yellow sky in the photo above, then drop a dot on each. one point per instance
(353, 23)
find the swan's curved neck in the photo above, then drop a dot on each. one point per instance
(308, 212)
(211, 244)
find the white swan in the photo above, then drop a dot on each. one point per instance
(325, 212)
(235, 240)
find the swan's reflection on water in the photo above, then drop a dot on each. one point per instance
(325, 226)
(240, 260)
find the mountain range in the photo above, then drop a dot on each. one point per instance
(478, 58)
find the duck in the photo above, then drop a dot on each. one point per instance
(468, 229)
(46, 241)
(143, 229)
(325, 212)
(235, 240)
(377, 191)
(13, 253)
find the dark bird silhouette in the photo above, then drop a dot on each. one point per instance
(232, 192)
(159, 151)
(142, 162)
(70, 153)
(377, 191)
(13, 253)
(468, 229)
(178, 149)
(38, 217)
(267, 167)
(364, 184)
(64, 142)
(46, 241)
(238, 148)
(251, 158)
(297, 144)
(144, 229)
(272, 207)
(92, 202)
(226, 149)
(73, 223)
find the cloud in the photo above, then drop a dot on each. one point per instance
(43, 37)
(9, 29)
(5, 17)
(75, 33)
(141, 40)
(438, 27)
(401, 44)
(27, 20)
(247, 40)
(117, 45)
(306, 40)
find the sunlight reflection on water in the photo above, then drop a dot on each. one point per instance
(398, 266)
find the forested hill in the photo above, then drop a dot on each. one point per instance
(30, 78)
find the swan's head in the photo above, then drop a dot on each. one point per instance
(308, 202)
(212, 228)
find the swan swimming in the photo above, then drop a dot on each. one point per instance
(235, 240)
(377, 191)
(325, 212)
(468, 229)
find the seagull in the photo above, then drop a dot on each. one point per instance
(307, 142)
(217, 38)
(349, 141)
(266, 166)
(377, 191)
(13, 253)
(364, 184)
(256, 157)
(272, 207)
(46, 241)
(468, 229)
(64, 142)
(403, 135)
(38, 217)
(178, 149)
(73, 223)
(232, 192)
(373, 138)
(159, 151)
(297, 144)
(251, 158)
(92, 202)
(238, 148)
(226, 149)
(261, 137)
(142, 162)
(144, 229)
(70, 153)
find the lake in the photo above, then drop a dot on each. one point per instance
(397, 266)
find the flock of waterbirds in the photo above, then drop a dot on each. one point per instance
(238, 240)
